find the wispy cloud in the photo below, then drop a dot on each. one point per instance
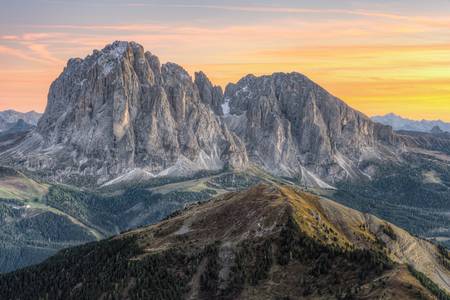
(32, 36)
(120, 27)
(42, 52)
(17, 53)
(440, 22)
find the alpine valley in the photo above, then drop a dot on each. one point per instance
(270, 189)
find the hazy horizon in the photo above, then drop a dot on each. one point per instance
(389, 56)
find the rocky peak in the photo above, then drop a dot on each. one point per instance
(210, 95)
(119, 109)
(436, 130)
(293, 126)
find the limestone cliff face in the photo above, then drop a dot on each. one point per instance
(120, 109)
(290, 125)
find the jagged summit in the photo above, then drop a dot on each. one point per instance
(291, 125)
(210, 94)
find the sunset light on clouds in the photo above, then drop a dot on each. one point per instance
(378, 56)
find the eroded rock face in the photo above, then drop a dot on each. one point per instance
(119, 109)
(290, 125)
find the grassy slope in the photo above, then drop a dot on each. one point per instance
(15, 185)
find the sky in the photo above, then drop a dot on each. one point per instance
(378, 56)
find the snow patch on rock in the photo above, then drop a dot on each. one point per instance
(133, 175)
(226, 107)
(343, 162)
(310, 179)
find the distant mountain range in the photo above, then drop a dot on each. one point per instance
(12, 121)
(400, 123)
(12, 116)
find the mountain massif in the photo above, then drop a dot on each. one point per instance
(119, 111)
(268, 242)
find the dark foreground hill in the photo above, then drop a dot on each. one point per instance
(268, 242)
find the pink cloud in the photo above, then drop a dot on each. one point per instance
(42, 52)
(17, 54)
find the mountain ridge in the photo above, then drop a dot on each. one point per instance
(400, 123)
(12, 121)
(11, 116)
(277, 236)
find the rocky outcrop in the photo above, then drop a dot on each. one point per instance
(292, 126)
(119, 109)
(210, 95)
(439, 142)
(4, 125)
(17, 127)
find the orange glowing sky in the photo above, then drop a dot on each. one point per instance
(378, 56)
